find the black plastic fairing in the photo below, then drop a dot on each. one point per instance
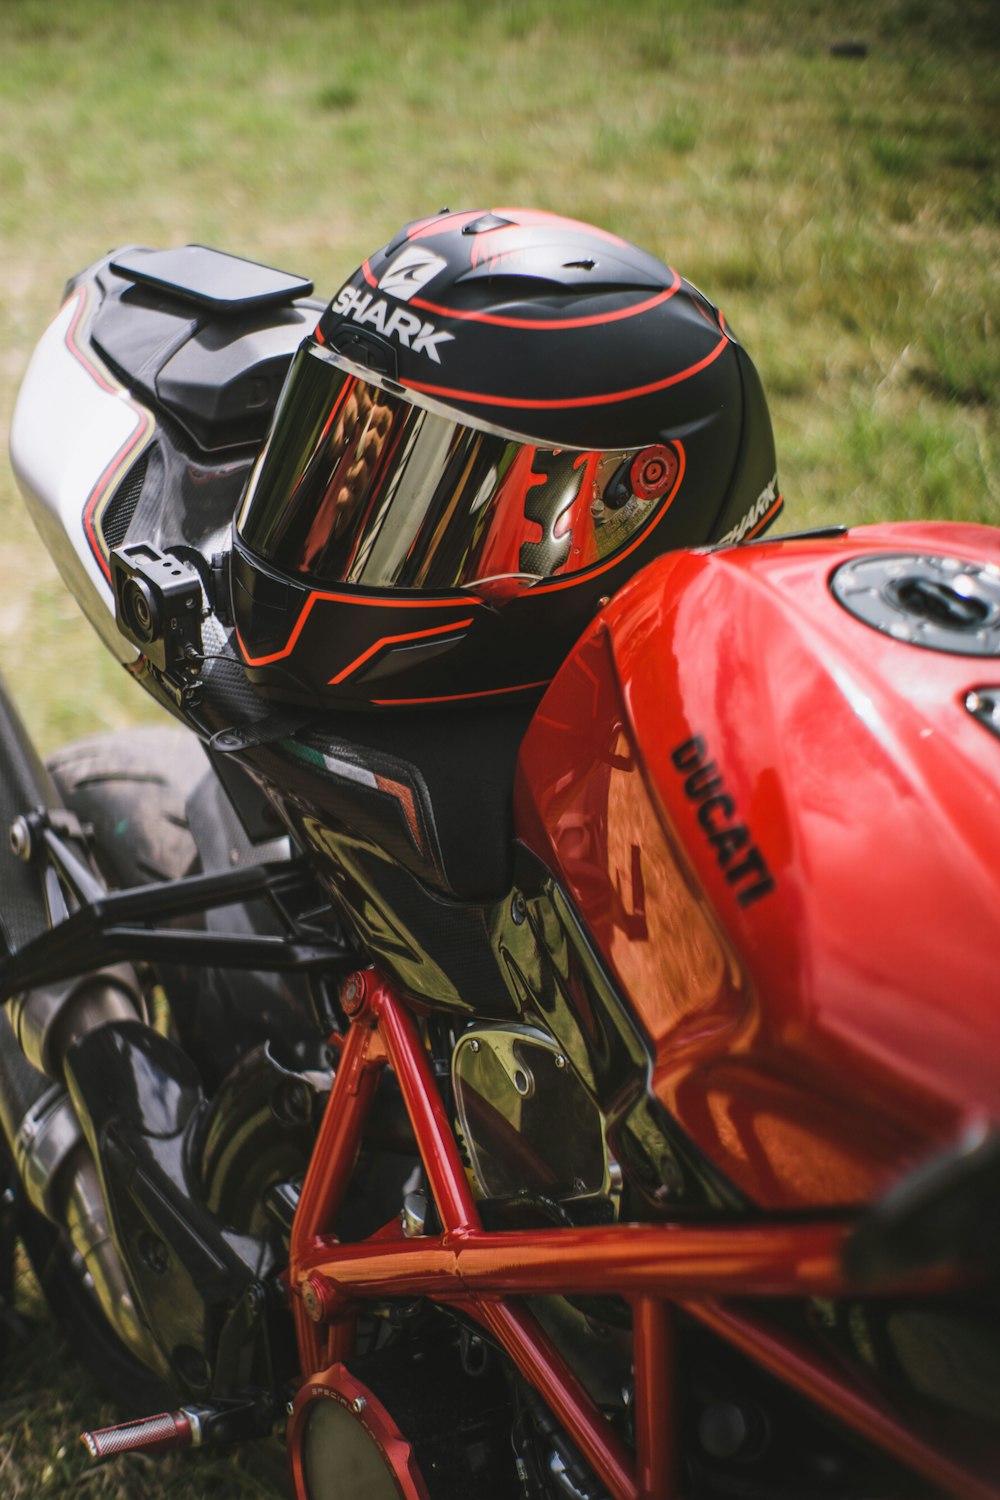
(212, 279)
(217, 374)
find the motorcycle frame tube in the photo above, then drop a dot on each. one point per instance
(795, 1364)
(486, 1275)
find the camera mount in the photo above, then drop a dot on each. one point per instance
(158, 607)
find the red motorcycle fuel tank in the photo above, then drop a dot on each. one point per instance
(769, 776)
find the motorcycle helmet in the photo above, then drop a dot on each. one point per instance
(499, 418)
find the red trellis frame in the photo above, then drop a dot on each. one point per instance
(656, 1267)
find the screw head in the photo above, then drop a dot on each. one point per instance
(289, 1407)
(316, 1298)
(153, 1252)
(518, 909)
(474, 1045)
(20, 838)
(358, 1405)
(559, 1060)
(352, 994)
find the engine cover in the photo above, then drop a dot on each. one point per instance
(529, 1124)
(407, 1423)
(343, 1442)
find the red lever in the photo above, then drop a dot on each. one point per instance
(170, 1429)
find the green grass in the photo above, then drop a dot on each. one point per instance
(46, 1401)
(844, 212)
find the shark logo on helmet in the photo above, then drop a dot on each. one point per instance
(395, 323)
(410, 272)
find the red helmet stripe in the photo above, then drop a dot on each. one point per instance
(543, 324)
(367, 600)
(519, 687)
(541, 218)
(769, 516)
(392, 640)
(606, 399)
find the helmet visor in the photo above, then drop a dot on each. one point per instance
(358, 484)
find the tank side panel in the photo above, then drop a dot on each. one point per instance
(778, 826)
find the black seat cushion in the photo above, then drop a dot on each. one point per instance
(435, 789)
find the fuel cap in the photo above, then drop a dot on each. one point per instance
(941, 603)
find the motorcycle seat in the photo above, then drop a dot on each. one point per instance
(433, 791)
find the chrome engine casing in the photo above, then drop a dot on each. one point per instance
(529, 1125)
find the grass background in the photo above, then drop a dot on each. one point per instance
(843, 210)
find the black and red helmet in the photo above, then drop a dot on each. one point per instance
(500, 417)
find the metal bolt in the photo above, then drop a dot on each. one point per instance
(289, 1407)
(352, 994)
(316, 1298)
(518, 909)
(358, 1405)
(154, 1253)
(559, 1060)
(20, 838)
(474, 1045)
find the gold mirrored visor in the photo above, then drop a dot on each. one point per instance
(358, 484)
